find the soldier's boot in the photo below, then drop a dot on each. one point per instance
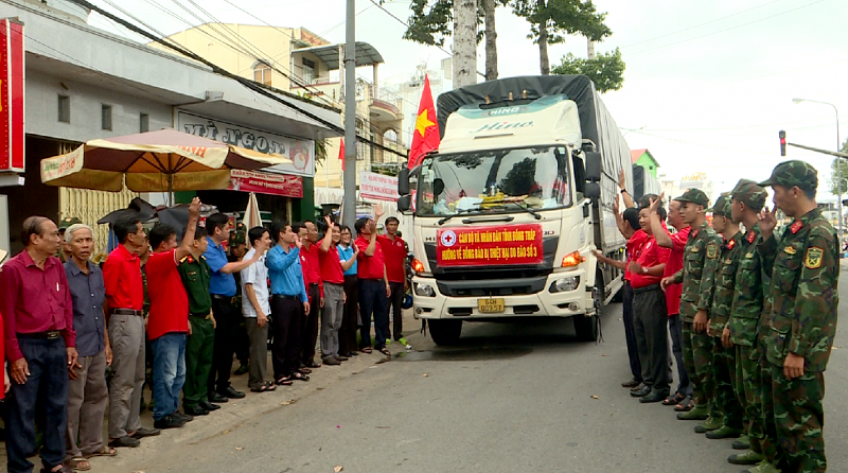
(724, 432)
(696, 413)
(709, 424)
(748, 457)
(763, 467)
(742, 443)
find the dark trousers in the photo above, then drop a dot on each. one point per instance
(309, 327)
(373, 300)
(629, 334)
(395, 302)
(347, 334)
(227, 318)
(650, 318)
(47, 387)
(286, 315)
(675, 329)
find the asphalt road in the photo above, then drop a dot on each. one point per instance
(510, 397)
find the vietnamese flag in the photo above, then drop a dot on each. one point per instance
(341, 155)
(425, 138)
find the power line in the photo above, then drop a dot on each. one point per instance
(726, 29)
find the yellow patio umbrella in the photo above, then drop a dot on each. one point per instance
(157, 161)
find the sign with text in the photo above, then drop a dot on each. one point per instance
(264, 183)
(378, 187)
(301, 152)
(480, 246)
(12, 153)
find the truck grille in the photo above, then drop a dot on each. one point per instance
(492, 287)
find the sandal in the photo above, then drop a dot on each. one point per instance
(298, 376)
(304, 371)
(366, 350)
(284, 381)
(64, 469)
(263, 388)
(385, 351)
(685, 407)
(676, 398)
(76, 463)
(103, 452)
(312, 364)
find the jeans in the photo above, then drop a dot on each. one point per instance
(169, 372)
(373, 300)
(47, 382)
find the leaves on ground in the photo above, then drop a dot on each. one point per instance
(595, 397)
(338, 469)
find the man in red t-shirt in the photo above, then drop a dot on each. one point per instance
(677, 243)
(167, 325)
(374, 290)
(308, 233)
(394, 249)
(334, 295)
(650, 315)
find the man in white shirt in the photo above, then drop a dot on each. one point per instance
(256, 307)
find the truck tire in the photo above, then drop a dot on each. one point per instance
(445, 332)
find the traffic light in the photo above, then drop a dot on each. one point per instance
(782, 135)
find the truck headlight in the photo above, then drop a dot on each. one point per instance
(565, 285)
(424, 290)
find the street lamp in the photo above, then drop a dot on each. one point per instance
(838, 146)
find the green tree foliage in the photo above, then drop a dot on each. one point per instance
(839, 173)
(606, 70)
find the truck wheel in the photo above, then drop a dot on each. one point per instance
(445, 332)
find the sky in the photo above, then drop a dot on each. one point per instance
(707, 85)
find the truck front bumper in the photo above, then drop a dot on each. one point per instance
(558, 298)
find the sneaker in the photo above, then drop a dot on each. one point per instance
(742, 443)
(708, 425)
(697, 413)
(169, 422)
(763, 467)
(724, 432)
(748, 457)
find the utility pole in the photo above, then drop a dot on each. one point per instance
(349, 203)
(465, 43)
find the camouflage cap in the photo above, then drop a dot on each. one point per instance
(695, 196)
(66, 223)
(750, 193)
(722, 205)
(238, 235)
(793, 173)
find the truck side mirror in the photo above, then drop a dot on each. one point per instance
(593, 166)
(592, 191)
(404, 203)
(403, 181)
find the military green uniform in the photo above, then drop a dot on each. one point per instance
(745, 316)
(724, 365)
(195, 274)
(805, 272)
(701, 258)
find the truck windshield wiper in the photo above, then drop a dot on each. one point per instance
(527, 208)
(459, 212)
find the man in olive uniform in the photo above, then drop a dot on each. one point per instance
(745, 314)
(195, 275)
(724, 366)
(700, 262)
(64, 253)
(804, 266)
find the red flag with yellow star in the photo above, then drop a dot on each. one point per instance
(425, 137)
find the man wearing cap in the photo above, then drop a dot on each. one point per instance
(700, 263)
(804, 268)
(723, 364)
(745, 315)
(64, 253)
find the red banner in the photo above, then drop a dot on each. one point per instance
(476, 246)
(264, 183)
(12, 96)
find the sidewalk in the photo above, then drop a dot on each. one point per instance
(236, 413)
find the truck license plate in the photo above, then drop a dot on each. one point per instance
(490, 306)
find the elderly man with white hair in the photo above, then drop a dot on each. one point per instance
(87, 393)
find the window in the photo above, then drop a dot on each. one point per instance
(64, 109)
(143, 123)
(308, 71)
(262, 73)
(106, 117)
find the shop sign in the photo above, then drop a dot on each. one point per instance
(488, 246)
(300, 152)
(264, 183)
(378, 187)
(12, 154)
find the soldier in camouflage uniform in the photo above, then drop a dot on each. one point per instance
(745, 314)
(802, 321)
(724, 365)
(700, 262)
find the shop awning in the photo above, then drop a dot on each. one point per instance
(366, 55)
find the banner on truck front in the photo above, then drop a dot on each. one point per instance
(476, 246)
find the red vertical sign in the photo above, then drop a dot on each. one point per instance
(12, 151)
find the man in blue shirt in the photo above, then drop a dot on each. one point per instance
(289, 303)
(222, 286)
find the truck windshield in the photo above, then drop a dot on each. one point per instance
(494, 181)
